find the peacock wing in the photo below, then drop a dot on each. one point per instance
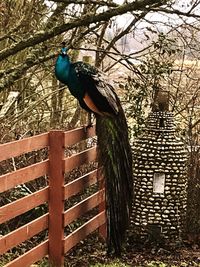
(98, 87)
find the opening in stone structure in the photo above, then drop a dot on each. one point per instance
(159, 183)
(162, 122)
(155, 233)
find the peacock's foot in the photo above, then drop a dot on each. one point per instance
(88, 126)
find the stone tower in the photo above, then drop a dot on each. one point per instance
(159, 169)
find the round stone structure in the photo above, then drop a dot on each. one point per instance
(160, 181)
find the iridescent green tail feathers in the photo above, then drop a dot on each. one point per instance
(114, 156)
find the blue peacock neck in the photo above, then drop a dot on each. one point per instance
(62, 68)
(66, 73)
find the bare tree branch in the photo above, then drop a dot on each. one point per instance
(42, 36)
(177, 12)
(121, 34)
(87, 2)
(13, 30)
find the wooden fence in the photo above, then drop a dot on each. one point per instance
(55, 194)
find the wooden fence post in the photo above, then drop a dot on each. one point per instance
(56, 198)
(102, 205)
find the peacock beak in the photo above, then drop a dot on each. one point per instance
(64, 53)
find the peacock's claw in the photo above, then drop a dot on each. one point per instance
(87, 127)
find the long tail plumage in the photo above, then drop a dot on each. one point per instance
(114, 155)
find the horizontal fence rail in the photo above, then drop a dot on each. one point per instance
(79, 159)
(74, 187)
(82, 207)
(54, 196)
(16, 148)
(83, 231)
(23, 175)
(33, 255)
(23, 205)
(23, 233)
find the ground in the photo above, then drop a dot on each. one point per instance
(92, 253)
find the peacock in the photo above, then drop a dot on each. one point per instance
(96, 95)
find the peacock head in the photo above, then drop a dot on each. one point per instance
(64, 50)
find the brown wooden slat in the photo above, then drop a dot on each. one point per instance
(102, 207)
(16, 148)
(74, 136)
(56, 196)
(81, 183)
(10, 180)
(23, 205)
(72, 239)
(78, 159)
(84, 206)
(103, 227)
(30, 257)
(23, 233)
